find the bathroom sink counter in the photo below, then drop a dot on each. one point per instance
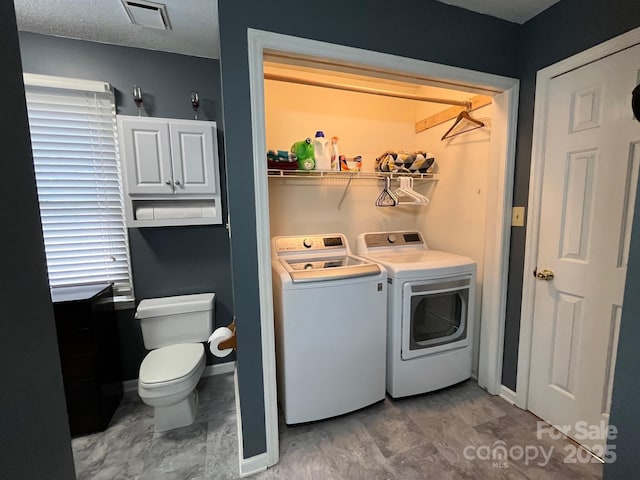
(78, 293)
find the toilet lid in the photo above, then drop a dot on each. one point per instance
(171, 363)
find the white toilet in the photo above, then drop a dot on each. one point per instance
(173, 327)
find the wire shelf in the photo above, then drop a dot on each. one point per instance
(344, 175)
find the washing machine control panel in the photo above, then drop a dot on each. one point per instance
(311, 242)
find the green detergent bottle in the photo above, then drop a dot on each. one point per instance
(304, 151)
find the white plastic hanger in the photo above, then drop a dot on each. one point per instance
(406, 190)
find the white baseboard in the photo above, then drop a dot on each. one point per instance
(130, 385)
(253, 465)
(507, 394)
(209, 371)
(219, 369)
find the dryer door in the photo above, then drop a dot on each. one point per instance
(435, 315)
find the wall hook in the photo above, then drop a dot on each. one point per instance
(195, 102)
(137, 97)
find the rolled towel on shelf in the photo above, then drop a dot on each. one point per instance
(144, 213)
(169, 212)
(208, 210)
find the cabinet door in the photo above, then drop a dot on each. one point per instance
(194, 154)
(147, 155)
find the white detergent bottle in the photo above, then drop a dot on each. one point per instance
(321, 151)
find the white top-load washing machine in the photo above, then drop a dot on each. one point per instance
(430, 311)
(330, 322)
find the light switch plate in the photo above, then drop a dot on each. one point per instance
(517, 217)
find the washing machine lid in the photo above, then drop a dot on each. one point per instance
(170, 363)
(335, 267)
(413, 262)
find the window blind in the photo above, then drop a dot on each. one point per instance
(75, 154)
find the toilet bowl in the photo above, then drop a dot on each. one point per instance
(174, 327)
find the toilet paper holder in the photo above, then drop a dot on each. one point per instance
(231, 342)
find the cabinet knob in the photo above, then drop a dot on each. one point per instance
(168, 182)
(177, 182)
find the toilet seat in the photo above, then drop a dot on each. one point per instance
(171, 365)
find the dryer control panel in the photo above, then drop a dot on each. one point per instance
(387, 239)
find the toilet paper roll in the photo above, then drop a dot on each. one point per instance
(220, 335)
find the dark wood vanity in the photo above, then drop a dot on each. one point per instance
(89, 354)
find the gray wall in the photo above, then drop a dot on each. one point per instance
(565, 29)
(34, 434)
(165, 261)
(422, 29)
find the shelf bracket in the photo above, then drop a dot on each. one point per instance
(344, 193)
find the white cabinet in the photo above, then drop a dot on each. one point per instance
(171, 173)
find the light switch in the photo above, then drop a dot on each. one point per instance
(517, 217)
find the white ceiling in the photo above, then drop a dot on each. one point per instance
(518, 11)
(194, 22)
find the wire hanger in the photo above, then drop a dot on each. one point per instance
(463, 115)
(387, 198)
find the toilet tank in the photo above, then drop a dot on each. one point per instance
(170, 320)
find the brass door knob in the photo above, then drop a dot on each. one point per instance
(545, 275)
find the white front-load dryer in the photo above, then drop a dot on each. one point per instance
(330, 323)
(430, 311)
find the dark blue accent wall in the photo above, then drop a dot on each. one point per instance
(565, 29)
(422, 29)
(164, 261)
(34, 433)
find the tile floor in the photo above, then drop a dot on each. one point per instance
(130, 450)
(422, 437)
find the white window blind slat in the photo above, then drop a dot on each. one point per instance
(74, 142)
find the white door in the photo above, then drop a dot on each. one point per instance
(590, 172)
(193, 148)
(145, 144)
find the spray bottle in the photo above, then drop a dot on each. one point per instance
(335, 155)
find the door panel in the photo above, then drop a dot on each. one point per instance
(192, 147)
(146, 148)
(589, 179)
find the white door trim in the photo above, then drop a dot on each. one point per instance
(543, 78)
(504, 121)
(495, 277)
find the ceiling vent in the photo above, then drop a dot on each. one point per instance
(147, 14)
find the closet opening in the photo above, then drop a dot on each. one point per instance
(376, 105)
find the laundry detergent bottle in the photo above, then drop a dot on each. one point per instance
(304, 151)
(321, 151)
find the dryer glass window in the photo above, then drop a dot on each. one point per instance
(438, 318)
